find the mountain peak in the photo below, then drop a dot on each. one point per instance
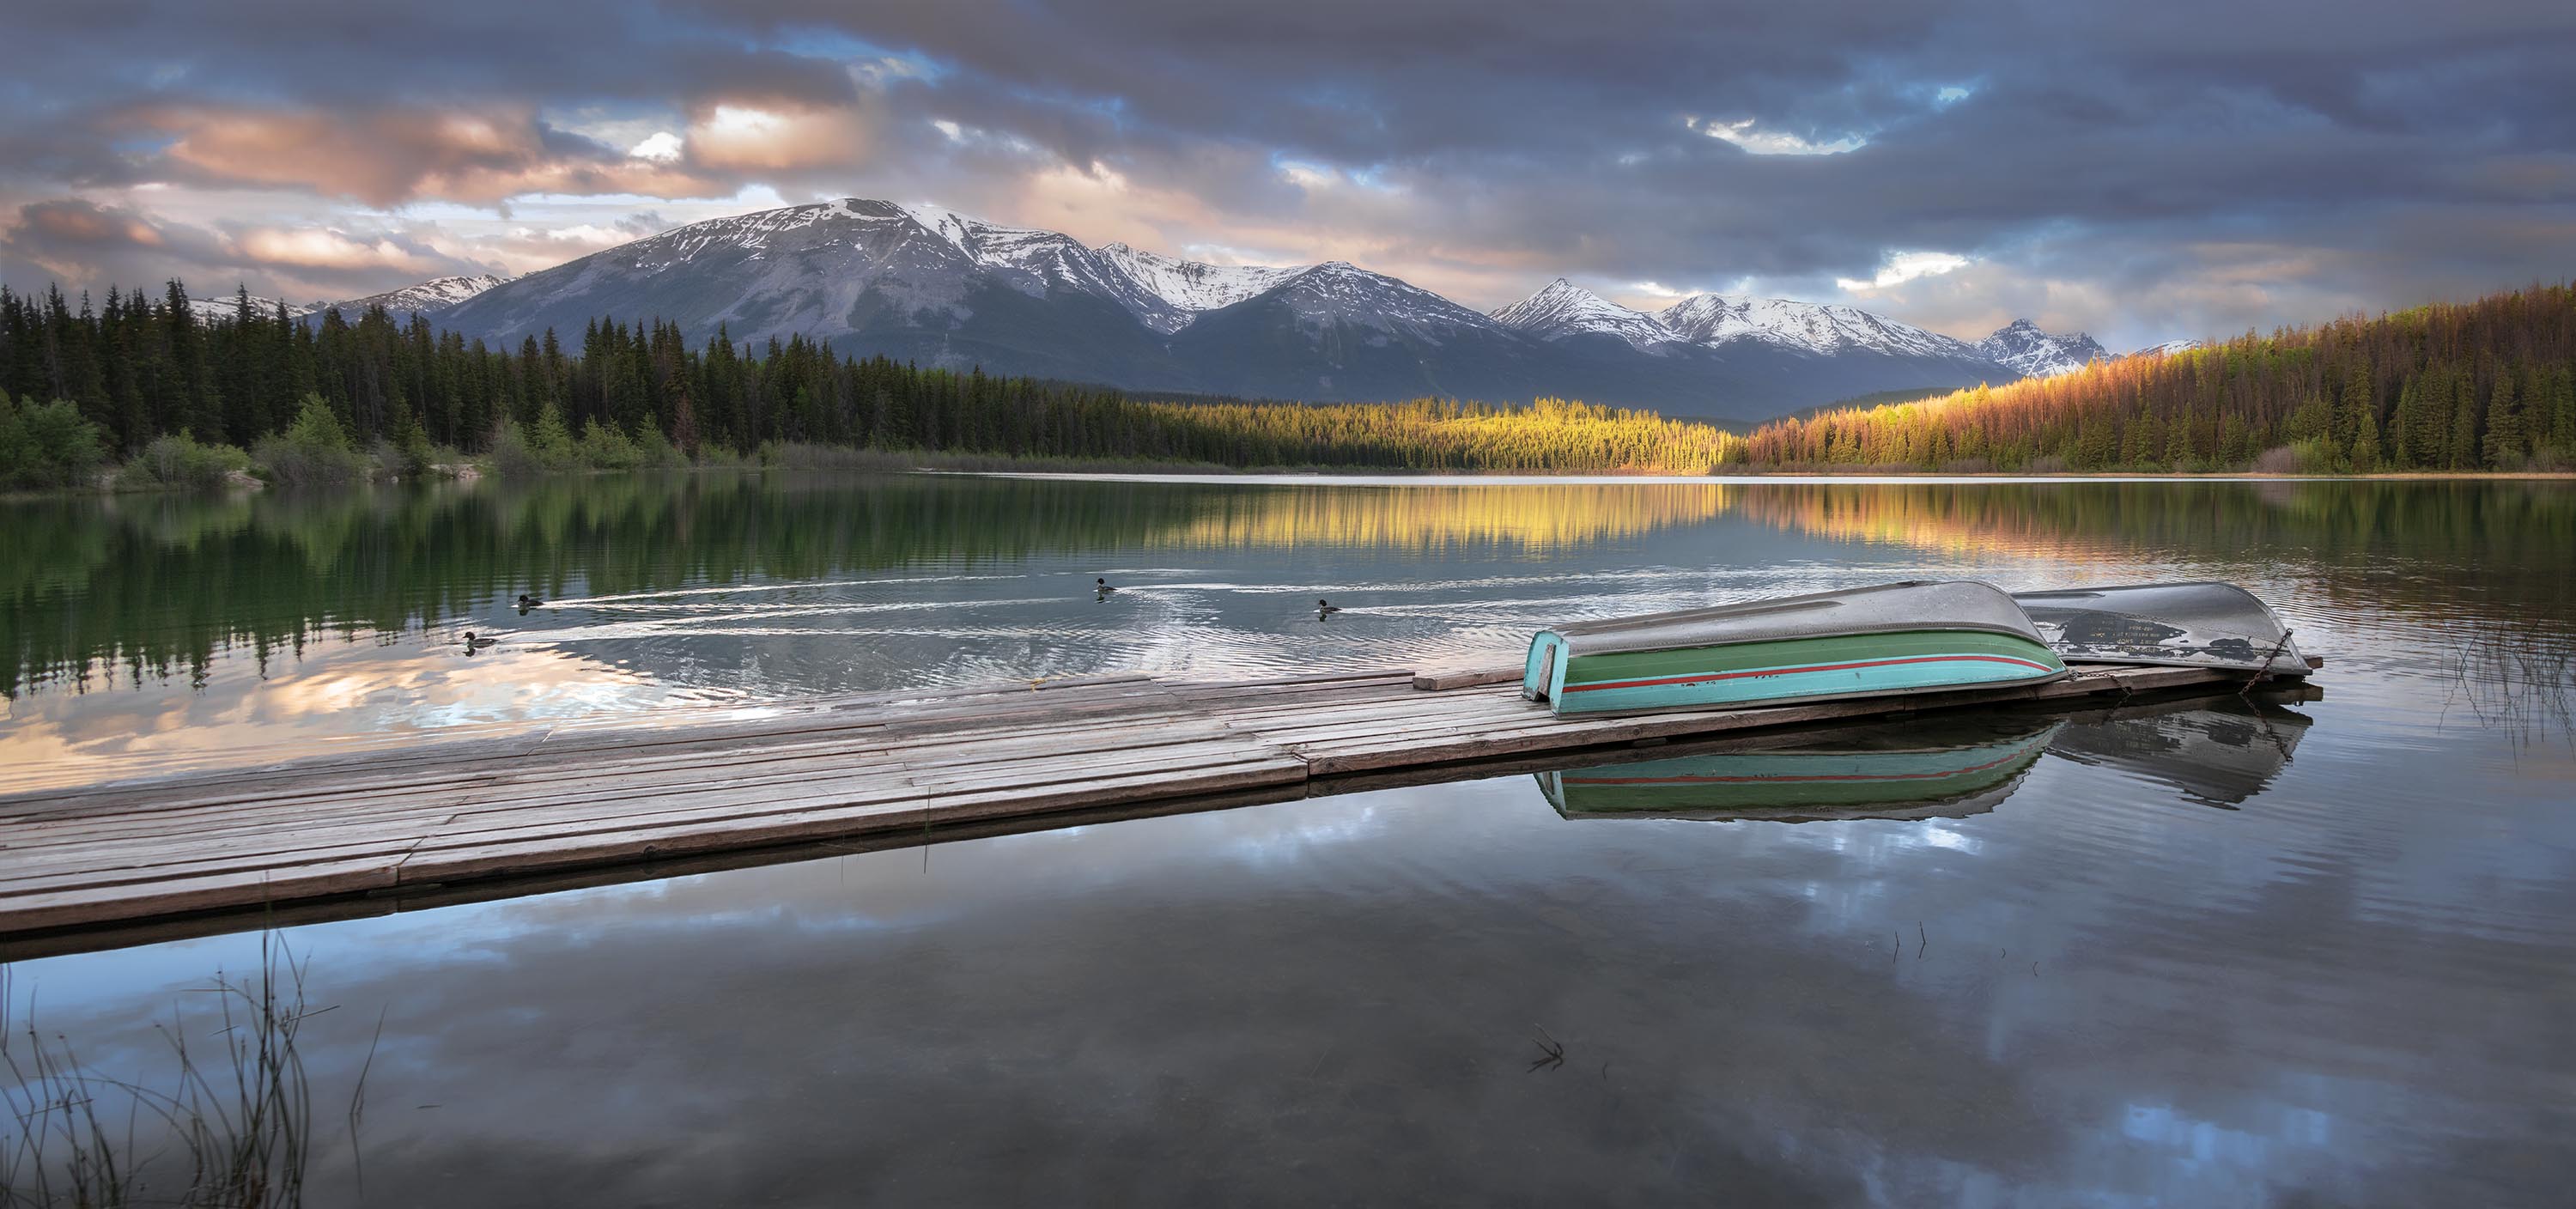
(1562, 309)
(2024, 348)
(1170, 292)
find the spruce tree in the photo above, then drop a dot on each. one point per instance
(2464, 423)
(2403, 424)
(2365, 446)
(2504, 446)
(2563, 408)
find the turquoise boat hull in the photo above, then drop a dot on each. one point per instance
(1887, 640)
(1761, 673)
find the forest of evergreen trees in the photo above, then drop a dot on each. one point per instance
(143, 382)
(142, 368)
(2488, 385)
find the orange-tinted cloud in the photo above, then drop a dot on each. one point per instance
(389, 156)
(77, 223)
(318, 248)
(750, 137)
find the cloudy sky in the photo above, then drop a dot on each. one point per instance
(2143, 171)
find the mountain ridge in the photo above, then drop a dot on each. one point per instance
(931, 285)
(420, 298)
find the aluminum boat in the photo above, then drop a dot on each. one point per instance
(2203, 624)
(1916, 636)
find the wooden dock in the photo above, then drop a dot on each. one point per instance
(429, 821)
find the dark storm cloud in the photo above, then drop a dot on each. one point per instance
(1493, 142)
(312, 51)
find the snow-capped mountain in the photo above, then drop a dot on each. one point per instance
(1564, 309)
(2170, 347)
(2020, 345)
(1339, 292)
(929, 285)
(1716, 320)
(1186, 287)
(224, 308)
(426, 298)
(1767, 347)
(869, 277)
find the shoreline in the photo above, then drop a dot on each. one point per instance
(1356, 476)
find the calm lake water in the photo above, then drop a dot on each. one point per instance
(2290, 952)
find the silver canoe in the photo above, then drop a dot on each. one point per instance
(2202, 624)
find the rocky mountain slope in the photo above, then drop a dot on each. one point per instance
(935, 287)
(2022, 347)
(426, 298)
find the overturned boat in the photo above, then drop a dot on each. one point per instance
(1912, 770)
(1916, 636)
(2203, 624)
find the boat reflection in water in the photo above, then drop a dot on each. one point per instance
(2219, 751)
(1916, 769)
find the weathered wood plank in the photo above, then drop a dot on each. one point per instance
(506, 857)
(102, 904)
(1441, 680)
(1140, 786)
(566, 800)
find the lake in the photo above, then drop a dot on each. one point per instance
(2265, 951)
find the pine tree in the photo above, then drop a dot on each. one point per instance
(2405, 428)
(2365, 445)
(2563, 408)
(2356, 404)
(2464, 423)
(2504, 446)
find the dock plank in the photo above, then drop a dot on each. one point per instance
(589, 800)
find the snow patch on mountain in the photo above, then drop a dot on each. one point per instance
(2021, 347)
(750, 233)
(428, 297)
(1188, 287)
(1339, 293)
(1564, 309)
(224, 308)
(1714, 319)
(1034, 259)
(2170, 347)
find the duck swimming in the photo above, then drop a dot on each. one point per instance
(1102, 586)
(1326, 608)
(529, 602)
(473, 644)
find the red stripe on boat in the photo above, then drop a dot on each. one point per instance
(1711, 677)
